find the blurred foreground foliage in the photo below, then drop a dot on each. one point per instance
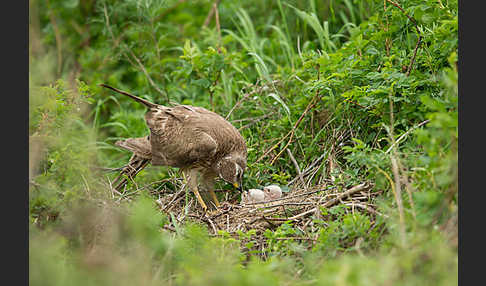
(348, 60)
(113, 246)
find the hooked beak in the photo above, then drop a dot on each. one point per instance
(238, 186)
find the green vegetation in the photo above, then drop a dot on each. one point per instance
(339, 80)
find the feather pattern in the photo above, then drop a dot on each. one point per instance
(193, 139)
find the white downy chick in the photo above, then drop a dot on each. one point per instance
(252, 196)
(272, 192)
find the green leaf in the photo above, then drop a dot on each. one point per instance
(204, 83)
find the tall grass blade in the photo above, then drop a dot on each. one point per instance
(287, 33)
(284, 43)
(322, 32)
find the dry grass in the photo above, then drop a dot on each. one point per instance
(300, 206)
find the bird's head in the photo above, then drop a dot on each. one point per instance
(272, 192)
(231, 169)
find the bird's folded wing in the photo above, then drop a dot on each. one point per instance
(139, 146)
(182, 149)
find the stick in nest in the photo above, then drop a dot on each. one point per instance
(332, 202)
(297, 168)
(288, 197)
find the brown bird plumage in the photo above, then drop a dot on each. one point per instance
(191, 138)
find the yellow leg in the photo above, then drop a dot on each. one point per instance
(214, 198)
(208, 184)
(192, 184)
(199, 198)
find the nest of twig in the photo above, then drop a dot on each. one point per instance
(300, 207)
(297, 206)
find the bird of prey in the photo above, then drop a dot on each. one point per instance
(272, 192)
(194, 139)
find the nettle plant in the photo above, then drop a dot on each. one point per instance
(202, 70)
(61, 149)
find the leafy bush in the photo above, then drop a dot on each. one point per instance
(340, 85)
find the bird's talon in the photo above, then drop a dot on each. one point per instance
(212, 213)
